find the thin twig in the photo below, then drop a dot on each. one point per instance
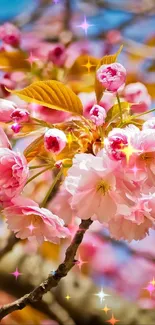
(52, 280)
(11, 241)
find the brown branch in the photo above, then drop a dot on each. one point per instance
(11, 241)
(52, 280)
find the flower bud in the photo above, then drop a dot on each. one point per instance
(137, 93)
(57, 55)
(10, 34)
(111, 76)
(6, 109)
(55, 140)
(98, 115)
(16, 128)
(20, 115)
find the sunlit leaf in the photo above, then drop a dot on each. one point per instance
(52, 94)
(13, 61)
(108, 59)
(36, 147)
(114, 112)
(83, 64)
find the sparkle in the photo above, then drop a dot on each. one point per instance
(152, 282)
(31, 59)
(31, 227)
(150, 288)
(113, 320)
(53, 272)
(101, 295)
(88, 65)
(105, 309)
(16, 273)
(80, 262)
(85, 25)
(128, 151)
(135, 169)
(68, 297)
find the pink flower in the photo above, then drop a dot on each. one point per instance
(10, 34)
(118, 139)
(111, 76)
(48, 115)
(57, 55)
(55, 140)
(6, 109)
(138, 220)
(13, 173)
(98, 115)
(20, 115)
(60, 205)
(28, 220)
(137, 93)
(6, 82)
(4, 142)
(149, 124)
(16, 127)
(88, 100)
(92, 182)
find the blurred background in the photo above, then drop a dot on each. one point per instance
(123, 271)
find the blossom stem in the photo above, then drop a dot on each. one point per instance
(36, 175)
(52, 280)
(43, 204)
(147, 112)
(120, 107)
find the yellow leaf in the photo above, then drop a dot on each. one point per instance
(36, 147)
(108, 59)
(13, 61)
(83, 64)
(114, 111)
(52, 94)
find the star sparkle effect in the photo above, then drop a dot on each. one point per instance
(88, 65)
(129, 150)
(31, 227)
(135, 170)
(106, 309)
(68, 297)
(150, 288)
(113, 320)
(85, 25)
(153, 282)
(101, 295)
(16, 273)
(31, 59)
(80, 262)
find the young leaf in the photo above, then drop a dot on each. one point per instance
(34, 148)
(108, 59)
(114, 112)
(52, 94)
(13, 61)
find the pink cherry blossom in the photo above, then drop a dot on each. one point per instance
(57, 55)
(92, 182)
(137, 93)
(55, 140)
(13, 173)
(149, 124)
(60, 205)
(10, 34)
(98, 114)
(20, 115)
(6, 109)
(16, 127)
(6, 82)
(4, 142)
(111, 76)
(48, 115)
(28, 220)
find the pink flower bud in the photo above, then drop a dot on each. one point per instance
(6, 109)
(116, 141)
(20, 115)
(98, 115)
(16, 128)
(137, 93)
(57, 55)
(6, 82)
(9, 34)
(111, 76)
(55, 140)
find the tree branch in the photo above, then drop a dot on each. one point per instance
(52, 280)
(11, 241)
